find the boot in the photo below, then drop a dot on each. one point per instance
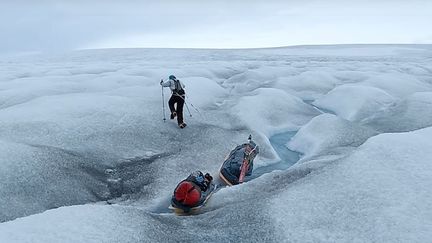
(174, 114)
(183, 125)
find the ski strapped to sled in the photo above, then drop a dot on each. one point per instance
(245, 165)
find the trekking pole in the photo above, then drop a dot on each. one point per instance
(187, 107)
(194, 106)
(163, 102)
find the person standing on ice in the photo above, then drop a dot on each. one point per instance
(177, 100)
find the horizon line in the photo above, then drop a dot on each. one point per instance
(256, 48)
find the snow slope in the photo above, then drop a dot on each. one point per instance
(380, 192)
(83, 128)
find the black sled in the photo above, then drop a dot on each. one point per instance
(239, 163)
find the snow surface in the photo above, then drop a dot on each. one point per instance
(354, 102)
(312, 139)
(85, 128)
(379, 193)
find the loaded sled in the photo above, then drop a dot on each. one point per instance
(191, 194)
(239, 163)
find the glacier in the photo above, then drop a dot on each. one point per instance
(85, 155)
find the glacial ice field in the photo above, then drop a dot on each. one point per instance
(345, 134)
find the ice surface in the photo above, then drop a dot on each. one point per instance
(327, 132)
(397, 84)
(411, 113)
(36, 177)
(308, 85)
(98, 223)
(355, 102)
(202, 92)
(282, 112)
(81, 129)
(381, 192)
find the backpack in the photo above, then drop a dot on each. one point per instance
(187, 194)
(178, 87)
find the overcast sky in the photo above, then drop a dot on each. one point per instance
(61, 25)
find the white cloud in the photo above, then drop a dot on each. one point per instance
(63, 25)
